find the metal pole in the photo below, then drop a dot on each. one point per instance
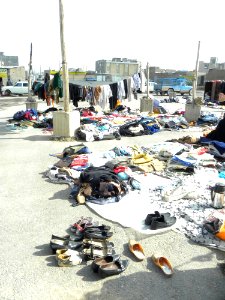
(147, 80)
(29, 76)
(195, 82)
(64, 62)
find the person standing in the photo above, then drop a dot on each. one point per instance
(1, 84)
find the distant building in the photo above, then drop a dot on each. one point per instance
(155, 73)
(12, 73)
(212, 70)
(8, 60)
(204, 67)
(117, 66)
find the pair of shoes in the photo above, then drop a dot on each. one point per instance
(79, 227)
(64, 238)
(159, 221)
(94, 250)
(109, 265)
(164, 264)
(149, 218)
(100, 232)
(213, 226)
(97, 243)
(64, 244)
(68, 258)
(137, 249)
(82, 224)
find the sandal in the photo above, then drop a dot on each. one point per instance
(82, 224)
(163, 264)
(137, 249)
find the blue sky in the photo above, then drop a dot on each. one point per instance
(161, 32)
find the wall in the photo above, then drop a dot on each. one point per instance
(215, 74)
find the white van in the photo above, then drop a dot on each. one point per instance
(151, 85)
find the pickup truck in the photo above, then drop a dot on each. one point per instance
(20, 88)
(178, 85)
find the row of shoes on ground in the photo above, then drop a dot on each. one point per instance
(74, 242)
(105, 260)
(93, 245)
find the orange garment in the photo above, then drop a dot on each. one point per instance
(221, 233)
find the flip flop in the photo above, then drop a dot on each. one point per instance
(163, 264)
(137, 249)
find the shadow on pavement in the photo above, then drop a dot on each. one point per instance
(207, 284)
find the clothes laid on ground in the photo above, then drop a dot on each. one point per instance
(120, 183)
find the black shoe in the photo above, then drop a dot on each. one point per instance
(161, 222)
(113, 268)
(100, 261)
(68, 237)
(97, 228)
(60, 244)
(102, 235)
(213, 226)
(149, 217)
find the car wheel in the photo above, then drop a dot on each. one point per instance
(8, 93)
(170, 91)
(190, 92)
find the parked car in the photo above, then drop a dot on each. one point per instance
(178, 85)
(19, 88)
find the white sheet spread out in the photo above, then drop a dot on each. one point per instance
(133, 208)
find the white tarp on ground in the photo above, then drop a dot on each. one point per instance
(133, 208)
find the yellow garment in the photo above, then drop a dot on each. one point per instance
(146, 162)
(141, 158)
(118, 102)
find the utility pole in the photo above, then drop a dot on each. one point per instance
(193, 109)
(147, 79)
(64, 62)
(30, 99)
(65, 123)
(195, 82)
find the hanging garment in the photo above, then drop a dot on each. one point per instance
(143, 81)
(97, 92)
(76, 93)
(104, 97)
(90, 94)
(121, 90)
(125, 88)
(114, 97)
(57, 86)
(137, 81)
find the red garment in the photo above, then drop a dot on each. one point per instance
(120, 169)
(79, 160)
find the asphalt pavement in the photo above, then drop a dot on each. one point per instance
(32, 208)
